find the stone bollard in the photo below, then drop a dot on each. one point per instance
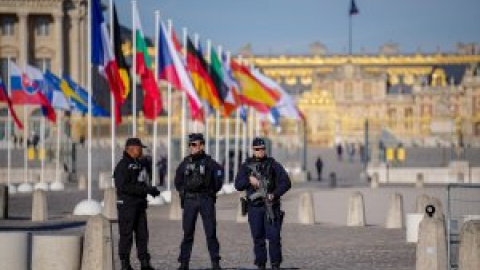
(109, 209)
(3, 202)
(438, 207)
(333, 180)
(14, 250)
(306, 212)
(39, 206)
(98, 246)
(356, 210)
(374, 182)
(175, 208)
(419, 182)
(56, 252)
(82, 182)
(241, 218)
(413, 222)
(469, 253)
(432, 243)
(395, 212)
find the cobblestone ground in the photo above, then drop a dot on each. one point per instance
(317, 246)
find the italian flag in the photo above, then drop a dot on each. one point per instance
(152, 101)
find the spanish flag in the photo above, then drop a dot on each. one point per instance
(254, 93)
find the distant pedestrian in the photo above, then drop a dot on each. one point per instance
(162, 170)
(319, 166)
(14, 141)
(351, 151)
(339, 151)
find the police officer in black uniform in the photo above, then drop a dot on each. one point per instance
(277, 184)
(132, 183)
(198, 179)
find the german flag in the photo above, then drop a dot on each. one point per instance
(201, 80)
(120, 58)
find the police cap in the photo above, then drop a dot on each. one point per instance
(134, 142)
(194, 137)
(258, 142)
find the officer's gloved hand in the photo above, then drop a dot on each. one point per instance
(154, 191)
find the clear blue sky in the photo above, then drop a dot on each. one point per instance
(290, 26)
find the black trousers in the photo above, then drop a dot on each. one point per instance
(132, 220)
(205, 205)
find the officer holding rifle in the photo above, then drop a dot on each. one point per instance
(265, 182)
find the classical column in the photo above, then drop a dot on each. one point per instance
(23, 38)
(74, 47)
(58, 21)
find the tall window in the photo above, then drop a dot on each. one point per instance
(348, 91)
(43, 63)
(4, 69)
(367, 91)
(42, 26)
(7, 25)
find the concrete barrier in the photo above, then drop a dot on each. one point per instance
(306, 213)
(469, 253)
(56, 252)
(240, 217)
(413, 222)
(3, 202)
(356, 210)
(419, 183)
(105, 180)
(82, 182)
(98, 246)
(175, 209)
(395, 212)
(14, 250)
(374, 182)
(39, 206)
(109, 209)
(432, 244)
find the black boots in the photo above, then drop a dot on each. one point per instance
(261, 266)
(275, 266)
(183, 266)
(126, 265)
(145, 265)
(216, 265)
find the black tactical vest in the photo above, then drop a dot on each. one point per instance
(265, 168)
(197, 175)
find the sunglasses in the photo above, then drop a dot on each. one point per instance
(259, 149)
(193, 144)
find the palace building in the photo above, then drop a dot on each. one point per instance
(419, 98)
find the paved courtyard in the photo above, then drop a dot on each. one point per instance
(320, 246)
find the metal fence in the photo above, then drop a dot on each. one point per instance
(463, 204)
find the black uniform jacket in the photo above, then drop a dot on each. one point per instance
(131, 191)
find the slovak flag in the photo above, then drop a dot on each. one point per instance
(5, 98)
(27, 89)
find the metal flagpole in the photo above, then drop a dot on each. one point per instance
(134, 71)
(89, 206)
(251, 122)
(244, 139)
(9, 123)
(217, 123)
(169, 135)
(237, 130)
(207, 126)
(350, 36)
(155, 121)
(112, 101)
(41, 150)
(184, 101)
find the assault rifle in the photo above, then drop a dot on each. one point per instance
(262, 192)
